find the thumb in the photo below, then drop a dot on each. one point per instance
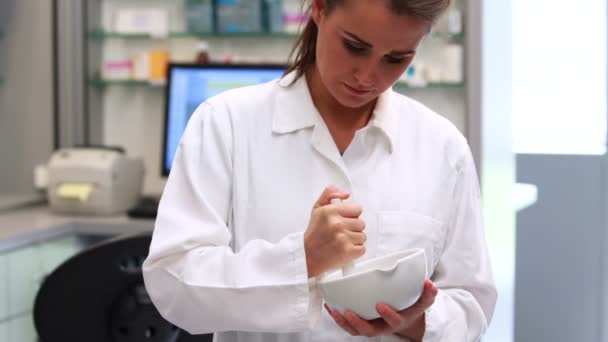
(330, 193)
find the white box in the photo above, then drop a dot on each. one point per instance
(152, 21)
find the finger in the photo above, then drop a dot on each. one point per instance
(349, 209)
(329, 193)
(428, 295)
(390, 316)
(364, 327)
(339, 320)
(354, 224)
(424, 302)
(343, 323)
(355, 251)
(356, 238)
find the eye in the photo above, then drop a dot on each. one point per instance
(394, 60)
(353, 48)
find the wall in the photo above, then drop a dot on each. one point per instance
(560, 137)
(26, 97)
(497, 161)
(561, 249)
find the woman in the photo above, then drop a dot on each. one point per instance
(236, 248)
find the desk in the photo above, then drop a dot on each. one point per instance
(33, 242)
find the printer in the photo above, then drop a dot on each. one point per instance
(93, 181)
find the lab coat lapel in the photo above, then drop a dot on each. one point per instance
(324, 143)
(295, 110)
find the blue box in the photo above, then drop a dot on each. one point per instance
(239, 16)
(199, 16)
(275, 21)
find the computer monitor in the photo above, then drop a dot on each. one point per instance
(189, 85)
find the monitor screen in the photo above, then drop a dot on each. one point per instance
(190, 85)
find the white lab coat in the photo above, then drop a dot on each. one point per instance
(227, 253)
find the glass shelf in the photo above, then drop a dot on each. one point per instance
(99, 82)
(455, 38)
(103, 35)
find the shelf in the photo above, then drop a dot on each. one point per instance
(454, 85)
(103, 35)
(455, 38)
(98, 82)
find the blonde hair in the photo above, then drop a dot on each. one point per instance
(304, 50)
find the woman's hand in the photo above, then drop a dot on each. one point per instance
(407, 323)
(334, 236)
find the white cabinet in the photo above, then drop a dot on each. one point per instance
(24, 271)
(54, 252)
(4, 331)
(3, 289)
(22, 329)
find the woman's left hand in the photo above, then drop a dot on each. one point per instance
(409, 322)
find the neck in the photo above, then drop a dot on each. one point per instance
(341, 121)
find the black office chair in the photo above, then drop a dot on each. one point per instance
(98, 295)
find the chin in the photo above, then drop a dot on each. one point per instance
(353, 102)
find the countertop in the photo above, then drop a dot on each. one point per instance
(24, 226)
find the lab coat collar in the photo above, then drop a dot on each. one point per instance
(385, 118)
(295, 110)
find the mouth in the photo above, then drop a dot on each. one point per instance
(357, 91)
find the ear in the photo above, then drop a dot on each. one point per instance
(318, 10)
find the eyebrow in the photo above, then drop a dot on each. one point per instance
(368, 45)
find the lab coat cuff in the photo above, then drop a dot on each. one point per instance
(432, 324)
(308, 300)
(315, 302)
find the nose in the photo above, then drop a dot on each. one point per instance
(365, 73)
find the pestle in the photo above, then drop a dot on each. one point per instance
(349, 268)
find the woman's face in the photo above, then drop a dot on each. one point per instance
(363, 48)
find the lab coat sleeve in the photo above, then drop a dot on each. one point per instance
(467, 295)
(193, 276)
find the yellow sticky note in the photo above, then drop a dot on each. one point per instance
(79, 191)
